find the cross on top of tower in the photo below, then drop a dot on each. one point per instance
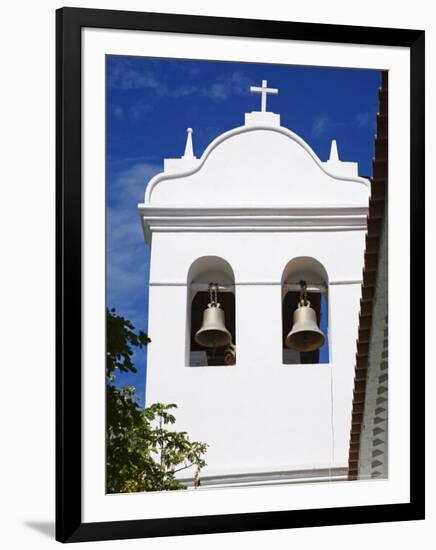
(263, 90)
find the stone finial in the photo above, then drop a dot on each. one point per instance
(187, 161)
(334, 156)
(337, 166)
(189, 149)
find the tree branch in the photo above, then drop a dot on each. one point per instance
(183, 468)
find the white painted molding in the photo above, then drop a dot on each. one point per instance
(299, 210)
(269, 218)
(274, 477)
(255, 283)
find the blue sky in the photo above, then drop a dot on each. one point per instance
(149, 104)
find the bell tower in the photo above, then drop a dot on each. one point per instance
(261, 226)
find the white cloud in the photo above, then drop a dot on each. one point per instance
(117, 111)
(128, 255)
(217, 91)
(224, 86)
(365, 119)
(182, 91)
(321, 125)
(123, 76)
(139, 109)
(130, 184)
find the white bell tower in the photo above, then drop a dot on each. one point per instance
(256, 213)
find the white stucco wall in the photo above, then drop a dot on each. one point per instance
(257, 198)
(259, 414)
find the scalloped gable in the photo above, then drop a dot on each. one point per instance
(257, 166)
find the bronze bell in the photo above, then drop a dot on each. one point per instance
(305, 334)
(213, 332)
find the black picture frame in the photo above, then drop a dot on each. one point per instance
(69, 525)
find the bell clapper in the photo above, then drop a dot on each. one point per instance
(213, 294)
(303, 292)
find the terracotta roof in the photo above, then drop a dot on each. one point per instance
(373, 252)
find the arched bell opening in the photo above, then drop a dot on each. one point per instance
(211, 322)
(305, 312)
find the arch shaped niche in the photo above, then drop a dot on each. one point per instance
(311, 271)
(203, 271)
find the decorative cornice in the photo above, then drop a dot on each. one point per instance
(268, 218)
(270, 478)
